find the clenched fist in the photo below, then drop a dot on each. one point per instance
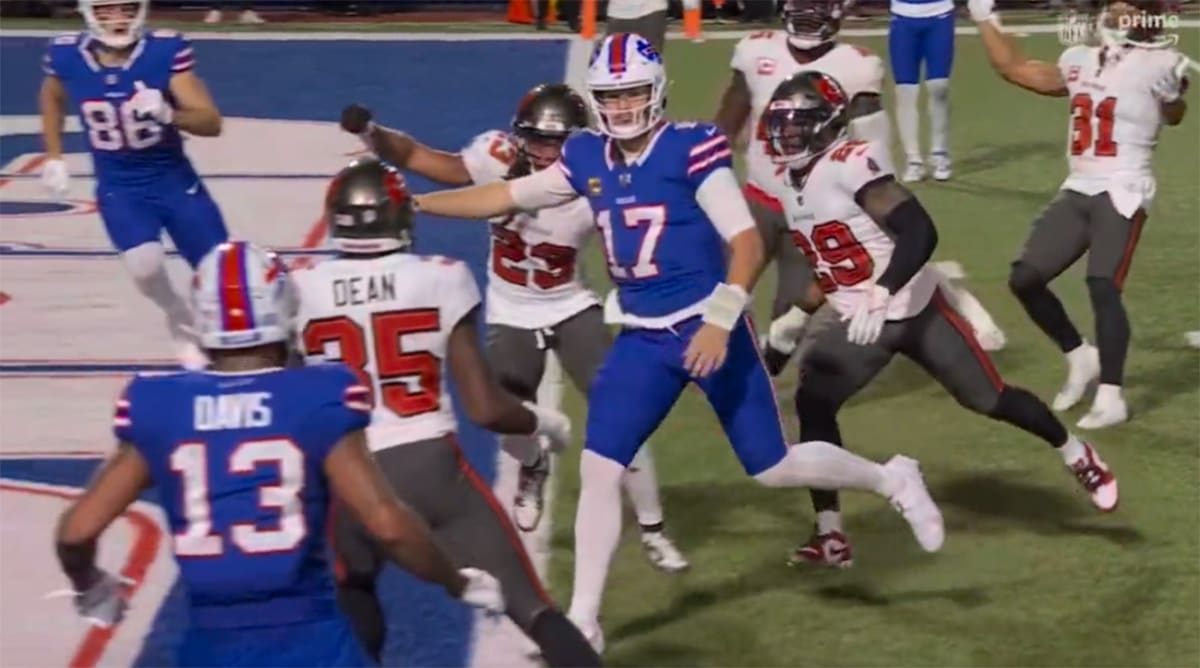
(356, 119)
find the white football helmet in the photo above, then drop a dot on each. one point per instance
(119, 33)
(625, 62)
(242, 296)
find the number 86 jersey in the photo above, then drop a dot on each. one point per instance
(389, 319)
(846, 248)
(533, 263)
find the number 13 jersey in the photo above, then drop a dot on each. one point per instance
(389, 319)
(533, 263)
(847, 249)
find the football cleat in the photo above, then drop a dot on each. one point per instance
(942, 167)
(914, 171)
(1108, 409)
(1083, 368)
(1193, 338)
(662, 553)
(530, 500)
(831, 549)
(912, 500)
(1096, 478)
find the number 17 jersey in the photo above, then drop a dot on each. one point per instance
(663, 252)
(389, 319)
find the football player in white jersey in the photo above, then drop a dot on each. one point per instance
(760, 62)
(539, 311)
(869, 240)
(401, 321)
(1121, 93)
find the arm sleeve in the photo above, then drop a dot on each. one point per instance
(489, 156)
(722, 200)
(550, 187)
(709, 152)
(185, 58)
(346, 408)
(460, 294)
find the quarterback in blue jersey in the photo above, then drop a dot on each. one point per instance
(669, 209)
(245, 458)
(135, 91)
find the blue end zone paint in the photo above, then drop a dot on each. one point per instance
(442, 92)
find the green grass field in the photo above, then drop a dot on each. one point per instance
(1031, 574)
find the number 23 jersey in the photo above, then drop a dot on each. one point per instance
(389, 319)
(127, 149)
(847, 249)
(533, 264)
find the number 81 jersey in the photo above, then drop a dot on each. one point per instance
(389, 319)
(846, 248)
(126, 148)
(533, 264)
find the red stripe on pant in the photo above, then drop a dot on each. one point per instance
(968, 333)
(1138, 220)
(502, 517)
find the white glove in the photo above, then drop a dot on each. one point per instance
(150, 103)
(785, 330)
(482, 591)
(103, 604)
(866, 323)
(55, 177)
(552, 424)
(981, 10)
(1169, 87)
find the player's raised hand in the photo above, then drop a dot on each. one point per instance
(151, 103)
(870, 314)
(706, 351)
(55, 177)
(981, 10)
(482, 591)
(356, 119)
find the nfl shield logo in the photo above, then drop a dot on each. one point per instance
(625, 179)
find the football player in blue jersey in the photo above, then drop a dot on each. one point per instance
(669, 208)
(134, 91)
(245, 458)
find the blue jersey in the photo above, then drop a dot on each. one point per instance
(664, 254)
(127, 150)
(238, 460)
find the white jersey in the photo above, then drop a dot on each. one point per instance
(1115, 120)
(389, 318)
(533, 265)
(765, 61)
(847, 249)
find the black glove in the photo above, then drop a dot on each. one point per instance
(356, 119)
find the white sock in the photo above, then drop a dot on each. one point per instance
(145, 265)
(829, 521)
(1106, 393)
(641, 484)
(550, 392)
(908, 120)
(1073, 450)
(938, 91)
(597, 531)
(823, 465)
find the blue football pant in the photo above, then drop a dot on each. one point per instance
(326, 642)
(912, 42)
(181, 205)
(643, 376)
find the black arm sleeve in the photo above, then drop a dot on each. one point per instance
(915, 237)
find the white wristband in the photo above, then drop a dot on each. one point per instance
(725, 305)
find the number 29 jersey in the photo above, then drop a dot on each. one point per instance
(664, 254)
(238, 463)
(533, 263)
(1115, 120)
(126, 149)
(389, 319)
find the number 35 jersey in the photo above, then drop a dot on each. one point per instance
(389, 319)
(1115, 120)
(238, 463)
(533, 266)
(847, 249)
(127, 149)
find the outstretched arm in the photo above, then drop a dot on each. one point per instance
(115, 487)
(546, 188)
(404, 151)
(1040, 77)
